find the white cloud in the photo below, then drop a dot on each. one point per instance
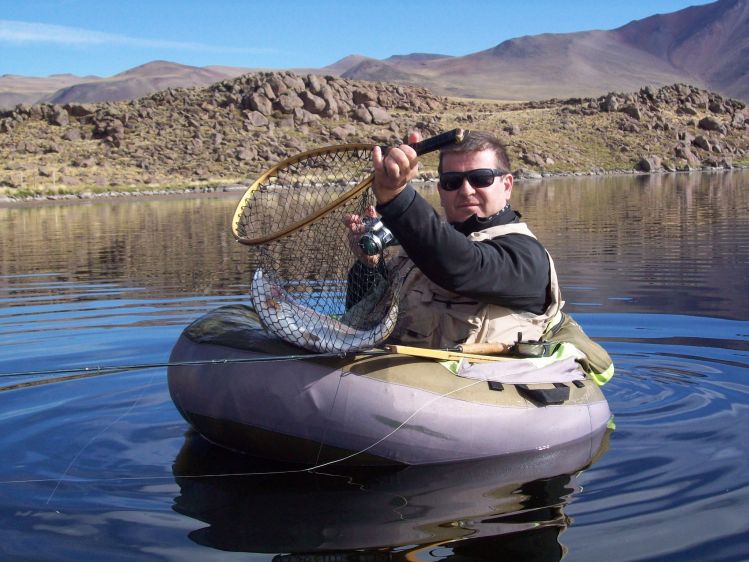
(21, 32)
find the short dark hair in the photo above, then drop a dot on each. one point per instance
(476, 141)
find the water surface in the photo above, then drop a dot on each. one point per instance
(104, 468)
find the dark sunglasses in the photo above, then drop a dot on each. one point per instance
(483, 177)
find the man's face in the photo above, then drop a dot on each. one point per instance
(459, 205)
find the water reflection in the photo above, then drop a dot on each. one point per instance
(509, 506)
(622, 242)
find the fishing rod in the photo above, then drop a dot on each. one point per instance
(108, 369)
(480, 352)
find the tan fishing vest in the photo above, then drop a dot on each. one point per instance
(436, 318)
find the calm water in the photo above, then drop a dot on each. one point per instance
(104, 468)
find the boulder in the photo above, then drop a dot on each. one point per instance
(633, 111)
(304, 117)
(380, 116)
(72, 135)
(259, 102)
(511, 129)
(314, 84)
(277, 85)
(331, 103)
(256, 119)
(701, 142)
(58, 116)
(288, 102)
(342, 132)
(533, 159)
(649, 163)
(362, 115)
(79, 109)
(245, 154)
(294, 82)
(629, 127)
(711, 124)
(683, 152)
(686, 109)
(360, 96)
(610, 104)
(312, 103)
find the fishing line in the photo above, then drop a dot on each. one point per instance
(311, 469)
(110, 369)
(95, 437)
(327, 425)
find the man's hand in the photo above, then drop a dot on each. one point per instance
(394, 170)
(356, 228)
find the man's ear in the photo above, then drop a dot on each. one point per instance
(441, 193)
(507, 181)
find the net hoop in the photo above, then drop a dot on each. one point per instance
(261, 180)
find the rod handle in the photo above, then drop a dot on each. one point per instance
(484, 348)
(436, 142)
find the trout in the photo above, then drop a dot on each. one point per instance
(300, 325)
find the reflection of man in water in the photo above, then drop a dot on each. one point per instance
(529, 534)
(475, 513)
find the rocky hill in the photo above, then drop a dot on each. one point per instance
(232, 130)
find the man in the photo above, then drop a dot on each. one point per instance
(479, 276)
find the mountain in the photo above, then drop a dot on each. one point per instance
(706, 46)
(710, 41)
(143, 80)
(30, 89)
(345, 64)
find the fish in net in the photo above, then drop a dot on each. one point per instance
(310, 287)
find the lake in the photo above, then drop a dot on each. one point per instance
(102, 467)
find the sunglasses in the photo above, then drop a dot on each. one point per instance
(483, 177)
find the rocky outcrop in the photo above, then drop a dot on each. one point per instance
(722, 125)
(231, 130)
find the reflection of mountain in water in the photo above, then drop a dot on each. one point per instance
(623, 236)
(509, 507)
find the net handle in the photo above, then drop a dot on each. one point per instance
(423, 147)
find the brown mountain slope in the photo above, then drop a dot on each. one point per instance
(371, 69)
(555, 65)
(29, 89)
(701, 45)
(141, 81)
(345, 64)
(534, 67)
(710, 41)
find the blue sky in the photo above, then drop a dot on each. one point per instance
(104, 37)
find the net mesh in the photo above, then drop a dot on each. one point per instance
(309, 286)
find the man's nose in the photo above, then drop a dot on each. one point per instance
(466, 186)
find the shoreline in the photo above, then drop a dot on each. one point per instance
(217, 189)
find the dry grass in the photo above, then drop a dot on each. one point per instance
(36, 161)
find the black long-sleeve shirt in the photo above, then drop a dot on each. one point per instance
(510, 270)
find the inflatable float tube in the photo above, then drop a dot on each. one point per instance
(246, 390)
